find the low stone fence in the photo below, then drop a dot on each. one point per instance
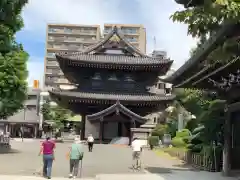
(199, 161)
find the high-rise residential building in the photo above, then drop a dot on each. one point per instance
(134, 33)
(69, 38)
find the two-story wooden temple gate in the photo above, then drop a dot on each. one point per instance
(220, 77)
(110, 86)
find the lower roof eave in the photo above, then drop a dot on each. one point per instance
(87, 96)
(117, 108)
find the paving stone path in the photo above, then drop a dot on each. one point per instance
(104, 162)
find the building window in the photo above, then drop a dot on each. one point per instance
(50, 54)
(132, 31)
(50, 46)
(31, 107)
(168, 90)
(132, 39)
(67, 30)
(30, 97)
(154, 120)
(161, 86)
(50, 38)
(51, 30)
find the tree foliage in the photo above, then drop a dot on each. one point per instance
(204, 21)
(193, 100)
(55, 113)
(13, 68)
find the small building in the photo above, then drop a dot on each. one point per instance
(27, 119)
(112, 87)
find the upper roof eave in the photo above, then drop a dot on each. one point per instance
(208, 46)
(114, 59)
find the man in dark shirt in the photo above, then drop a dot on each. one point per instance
(47, 149)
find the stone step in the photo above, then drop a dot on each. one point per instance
(15, 177)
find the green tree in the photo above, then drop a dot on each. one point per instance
(13, 68)
(204, 21)
(55, 113)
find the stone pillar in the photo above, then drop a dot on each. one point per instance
(35, 131)
(83, 122)
(227, 143)
(6, 128)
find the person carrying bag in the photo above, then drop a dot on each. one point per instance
(75, 155)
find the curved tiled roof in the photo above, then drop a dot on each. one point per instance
(120, 97)
(117, 107)
(111, 34)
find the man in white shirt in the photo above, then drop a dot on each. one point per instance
(137, 149)
(90, 141)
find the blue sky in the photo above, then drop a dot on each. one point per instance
(153, 14)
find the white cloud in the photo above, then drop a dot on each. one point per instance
(153, 14)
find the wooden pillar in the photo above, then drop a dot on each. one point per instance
(101, 130)
(83, 122)
(227, 143)
(133, 125)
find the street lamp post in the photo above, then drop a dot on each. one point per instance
(24, 118)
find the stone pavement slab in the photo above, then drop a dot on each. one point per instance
(128, 177)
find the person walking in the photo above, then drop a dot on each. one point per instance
(90, 141)
(47, 149)
(136, 155)
(76, 155)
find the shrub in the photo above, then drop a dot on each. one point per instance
(178, 142)
(183, 133)
(153, 140)
(160, 130)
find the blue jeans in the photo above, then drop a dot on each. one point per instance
(47, 164)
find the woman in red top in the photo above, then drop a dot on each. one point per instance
(47, 149)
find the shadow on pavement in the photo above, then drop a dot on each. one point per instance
(10, 151)
(163, 170)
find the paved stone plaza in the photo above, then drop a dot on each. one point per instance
(105, 159)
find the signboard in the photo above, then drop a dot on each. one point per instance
(36, 84)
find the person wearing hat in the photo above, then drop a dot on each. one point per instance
(136, 153)
(75, 155)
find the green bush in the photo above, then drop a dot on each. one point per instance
(153, 140)
(183, 133)
(178, 142)
(159, 130)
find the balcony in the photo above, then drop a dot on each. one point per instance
(62, 81)
(52, 63)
